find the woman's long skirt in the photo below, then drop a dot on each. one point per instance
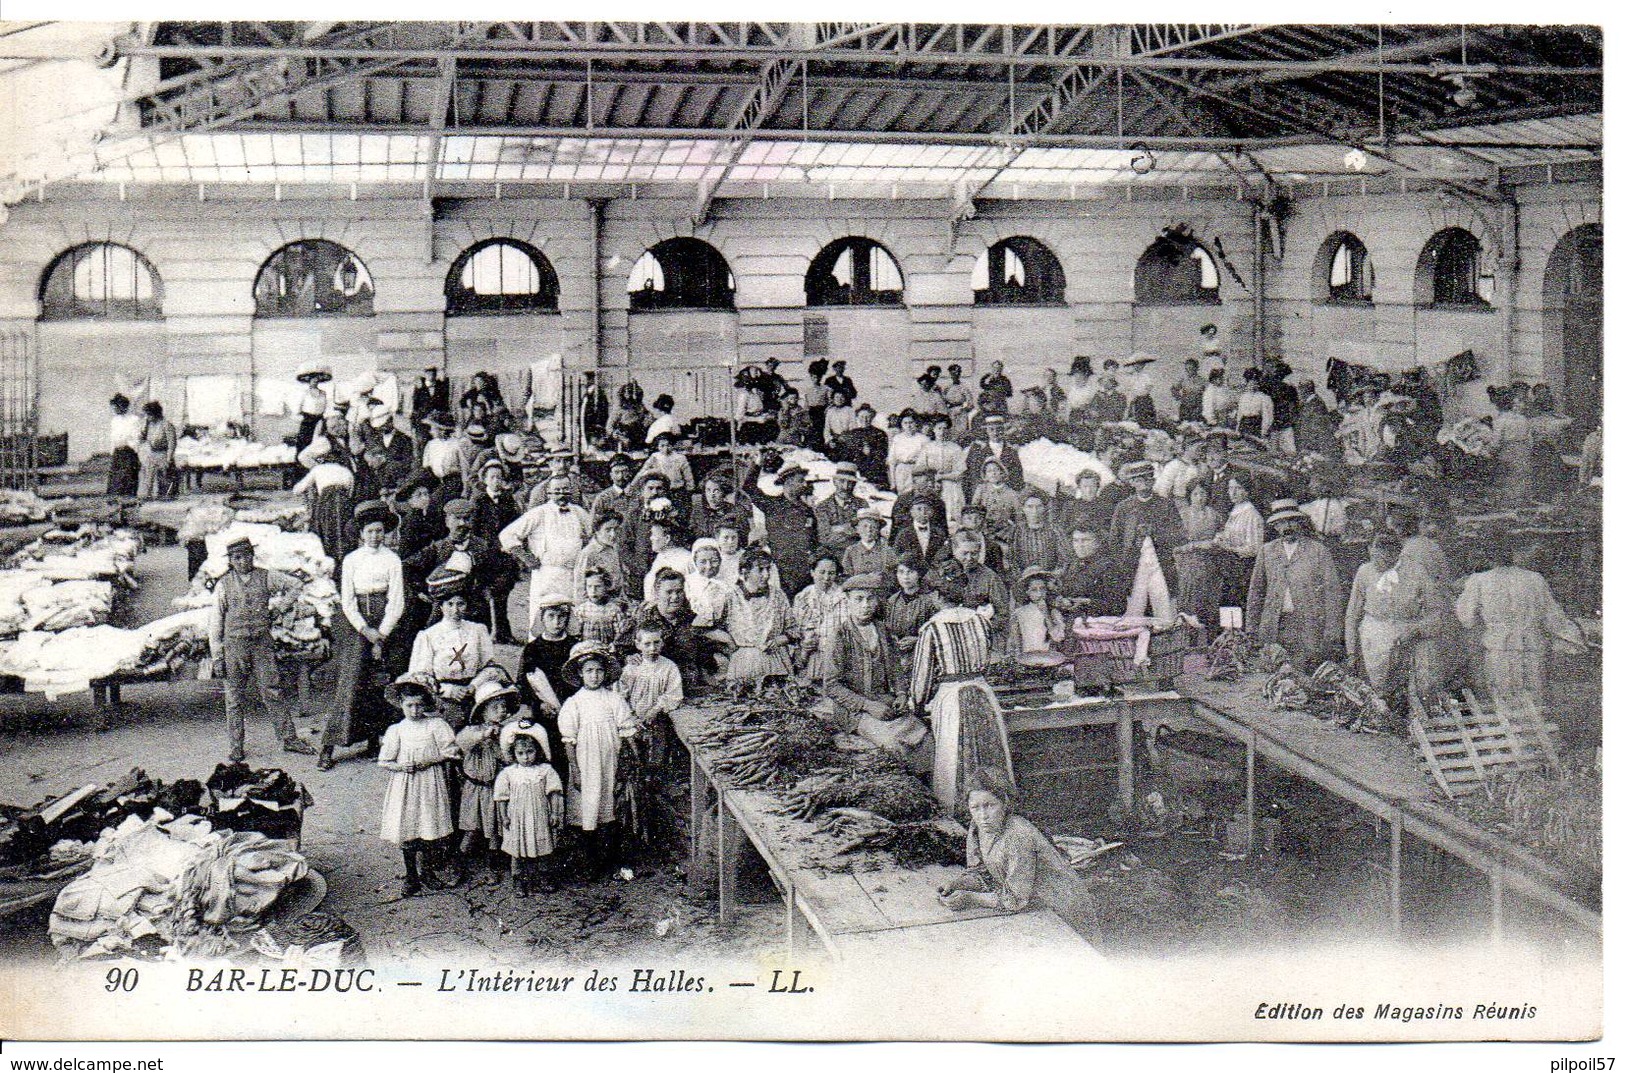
(124, 474)
(330, 519)
(969, 732)
(359, 711)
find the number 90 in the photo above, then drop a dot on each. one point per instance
(123, 979)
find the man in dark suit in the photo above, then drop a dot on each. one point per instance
(919, 534)
(993, 446)
(924, 488)
(865, 446)
(495, 508)
(594, 409)
(464, 552)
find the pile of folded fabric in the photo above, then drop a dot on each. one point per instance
(87, 552)
(57, 664)
(21, 507)
(300, 622)
(210, 453)
(266, 800)
(1050, 466)
(172, 886)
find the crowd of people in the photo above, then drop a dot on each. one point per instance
(656, 585)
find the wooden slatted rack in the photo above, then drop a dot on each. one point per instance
(1463, 744)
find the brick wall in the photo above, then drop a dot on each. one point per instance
(208, 253)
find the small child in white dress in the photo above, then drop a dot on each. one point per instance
(530, 803)
(417, 803)
(592, 724)
(653, 687)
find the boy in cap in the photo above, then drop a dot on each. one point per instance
(241, 646)
(837, 514)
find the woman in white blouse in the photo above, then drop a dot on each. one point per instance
(372, 598)
(905, 450)
(1240, 540)
(123, 439)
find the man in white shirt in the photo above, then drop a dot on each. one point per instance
(1327, 512)
(440, 455)
(548, 539)
(1181, 472)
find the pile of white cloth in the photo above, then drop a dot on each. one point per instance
(92, 552)
(18, 507)
(30, 601)
(178, 881)
(211, 453)
(300, 623)
(57, 664)
(821, 476)
(1049, 466)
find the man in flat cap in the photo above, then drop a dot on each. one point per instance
(838, 514)
(468, 555)
(242, 650)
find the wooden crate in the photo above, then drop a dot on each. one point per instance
(1462, 743)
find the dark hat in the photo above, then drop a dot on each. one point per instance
(789, 471)
(375, 510)
(621, 459)
(864, 583)
(459, 508)
(423, 479)
(847, 470)
(445, 582)
(441, 420)
(242, 543)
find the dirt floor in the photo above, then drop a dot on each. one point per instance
(1169, 895)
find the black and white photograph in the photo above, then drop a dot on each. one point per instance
(793, 530)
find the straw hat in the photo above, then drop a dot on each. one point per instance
(420, 682)
(487, 691)
(444, 582)
(314, 372)
(1285, 510)
(583, 651)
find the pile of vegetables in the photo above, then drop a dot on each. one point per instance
(1556, 812)
(873, 781)
(1228, 655)
(914, 844)
(763, 745)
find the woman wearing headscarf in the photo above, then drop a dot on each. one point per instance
(157, 451)
(366, 646)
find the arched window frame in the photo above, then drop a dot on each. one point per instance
(1043, 279)
(463, 300)
(687, 273)
(341, 286)
(1344, 271)
(1454, 273)
(1157, 277)
(870, 265)
(90, 281)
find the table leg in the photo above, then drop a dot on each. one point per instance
(729, 843)
(702, 833)
(789, 922)
(1396, 833)
(1125, 757)
(1252, 796)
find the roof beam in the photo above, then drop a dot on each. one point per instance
(975, 56)
(1430, 46)
(762, 102)
(444, 92)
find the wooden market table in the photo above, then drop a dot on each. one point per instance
(876, 914)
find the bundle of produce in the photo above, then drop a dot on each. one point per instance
(1283, 690)
(1228, 655)
(1054, 467)
(203, 520)
(1349, 700)
(874, 781)
(62, 605)
(758, 746)
(1555, 811)
(913, 844)
(266, 800)
(20, 507)
(288, 515)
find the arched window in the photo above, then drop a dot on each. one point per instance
(681, 273)
(1344, 270)
(1453, 271)
(1018, 271)
(100, 280)
(314, 278)
(501, 275)
(1176, 270)
(854, 272)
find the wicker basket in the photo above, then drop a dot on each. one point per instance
(1112, 662)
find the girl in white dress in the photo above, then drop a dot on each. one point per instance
(417, 803)
(530, 803)
(946, 459)
(592, 724)
(905, 450)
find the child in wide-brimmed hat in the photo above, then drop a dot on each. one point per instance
(529, 800)
(417, 803)
(495, 702)
(592, 724)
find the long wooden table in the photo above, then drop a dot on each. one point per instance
(853, 915)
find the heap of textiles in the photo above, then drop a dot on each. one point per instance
(21, 507)
(57, 664)
(86, 553)
(821, 476)
(300, 623)
(31, 601)
(266, 800)
(290, 515)
(1049, 466)
(177, 887)
(211, 453)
